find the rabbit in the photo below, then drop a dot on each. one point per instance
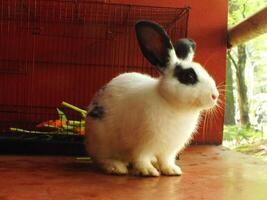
(138, 124)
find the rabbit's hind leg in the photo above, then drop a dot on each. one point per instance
(113, 166)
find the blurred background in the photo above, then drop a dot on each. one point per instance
(245, 126)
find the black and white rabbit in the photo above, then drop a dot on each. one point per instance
(143, 121)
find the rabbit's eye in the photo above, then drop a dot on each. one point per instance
(189, 77)
(97, 112)
(186, 76)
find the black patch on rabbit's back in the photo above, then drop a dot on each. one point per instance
(97, 112)
(186, 76)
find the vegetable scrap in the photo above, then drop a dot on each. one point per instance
(60, 126)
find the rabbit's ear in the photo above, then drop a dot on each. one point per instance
(154, 43)
(185, 49)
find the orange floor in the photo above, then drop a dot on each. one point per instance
(209, 173)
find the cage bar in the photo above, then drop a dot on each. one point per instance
(65, 50)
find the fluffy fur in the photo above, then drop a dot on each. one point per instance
(147, 121)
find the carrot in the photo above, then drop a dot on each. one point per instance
(80, 130)
(54, 123)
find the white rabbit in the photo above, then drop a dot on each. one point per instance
(145, 122)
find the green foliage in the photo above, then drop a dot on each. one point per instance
(238, 134)
(241, 9)
(258, 149)
(247, 140)
(255, 52)
(257, 58)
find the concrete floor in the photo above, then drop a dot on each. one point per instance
(210, 172)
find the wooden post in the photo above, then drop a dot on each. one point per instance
(248, 29)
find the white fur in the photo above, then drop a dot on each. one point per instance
(191, 55)
(147, 121)
(196, 96)
(173, 59)
(140, 127)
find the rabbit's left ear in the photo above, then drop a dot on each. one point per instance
(154, 43)
(185, 49)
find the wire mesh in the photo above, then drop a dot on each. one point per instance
(56, 50)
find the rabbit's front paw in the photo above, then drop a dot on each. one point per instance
(171, 170)
(145, 169)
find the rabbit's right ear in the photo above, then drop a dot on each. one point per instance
(154, 43)
(185, 49)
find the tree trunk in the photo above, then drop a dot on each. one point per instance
(241, 86)
(229, 117)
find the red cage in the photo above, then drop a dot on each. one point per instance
(55, 50)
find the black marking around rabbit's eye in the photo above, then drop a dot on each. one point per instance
(185, 76)
(97, 112)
